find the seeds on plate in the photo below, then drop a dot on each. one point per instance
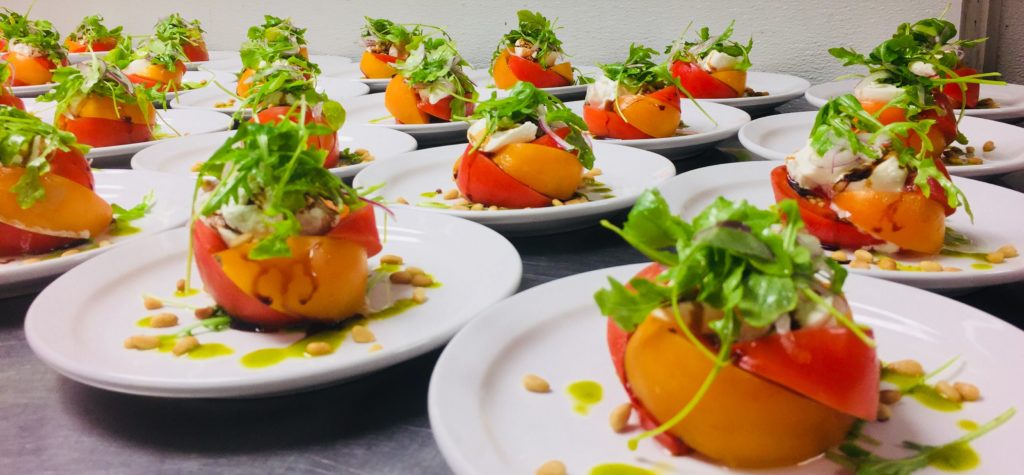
(391, 259)
(163, 320)
(887, 263)
(947, 391)
(361, 334)
(906, 367)
(142, 342)
(318, 348)
(619, 417)
(860, 264)
(401, 201)
(884, 413)
(180, 285)
(375, 348)
(31, 260)
(203, 313)
(988, 146)
(185, 345)
(863, 255)
(152, 303)
(839, 255)
(931, 266)
(1008, 250)
(401, 277)
(995, 257)
(422, 280)
(968, 391)
(451, 194)
(419, 295)
(536, 384)
(889, 396)
(415, 270)
(551, 467)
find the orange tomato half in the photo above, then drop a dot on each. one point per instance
(29, 70)
(907, 219)
(402, 102)
(377, 66)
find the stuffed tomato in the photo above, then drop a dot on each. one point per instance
(719, 370)
(859, 185)
(7, 97)
(290, 248)
(45, 204)
(92, 35)
(533, 54)
(153, 64)
(33, 50)
(430, 86)
(525, 150)
(637, 99)
(99, 105)
(711, 67)
(386, 42)
(277, 42)
(184, 35)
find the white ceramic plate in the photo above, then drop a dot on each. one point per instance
(352, 72)
(993, 227)
(215, 56)
(32, 91)
(179, 156)
(701, 132)
(1009, 97)
(778, 136)
(627, 172)
(125, 188)
(370, 110)
(78, 323)
(485, 422)
(781, 88)
(209, 98)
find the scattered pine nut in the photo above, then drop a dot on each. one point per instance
(180, 285)
(557, 202)
(414, 270)
(375, 348)
(422, 280)
(995, 257)
(477, 207)
(196, 166)
(863, 256)
(460, 208)
(361, 334)
(551, 467)
(887, 263)
(951, 269)
(988, 146)
(401, 277)
(163, 320)
(104, 243)
(889, 396)
(152, 303)
(947, 391)
(619, 417)
(31, 260)
(536, 384)
(451, 194)
(974, 161)
(70, 252)
(839, 255)
(492, 208)
(1008, 251)
(419, 295)
(203, 313)
(391, 259)
(185, 345)
(142, 342)
(318, 348)
(401, 201)
(860, 265)
(884, 413)
(968, 391)
(969, 149)
(930, 266)
(906, 367)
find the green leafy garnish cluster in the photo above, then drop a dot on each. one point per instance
(5, 75)
(535, 30)
(27, 142)
(380, 34)
(284, 84)
(174, 29)
(166, 54)
(277, 39)
(92, 29)
(435, 64)
(639, 74)
(694, 51)
(102, 79)
(526, 103)
(123, 217)
(843, 118)
(272, 166)
(39, 34)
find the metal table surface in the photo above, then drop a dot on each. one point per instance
(374, 425)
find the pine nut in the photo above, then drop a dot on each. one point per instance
(1008, 251)
(375, 348)
(144, 342)
(906, 368)
(180, 285)
(619, 417)
(492, 208)
(31, 260)
(185, 345)
(988, 146)
(401, 201)
(419, 295)
(361, 334)
(947, 391)
(557, 202)
(422, 280)
(205, 312)
(930, 266)
(884, 413)
(863, 256)
(70, 252)
(318, 348)
(968, 391)
(974, 161)
(551, 467)
(391, 259)
(196, 166)
(152, 303)
(460, 208)
(477, 207)
(887, 263)
(536, 384)
(860, 265)
(163, 320)
(839, 255)
(401, 277)
(995, 257)
(969, 149)
(413, 270)
(451, 194)
(889, 396)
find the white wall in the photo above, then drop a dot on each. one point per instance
(790, 36)
(1010, 59)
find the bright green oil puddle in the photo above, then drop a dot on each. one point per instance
(334, 337)
(619, 469)
(186, 293)
(123, 230)
(202, 352)
(981, 266)
(924, 393)
(978, 256)
(955, 458)
(429, 194)
(145, 322)
(967, 425)
(584, 394)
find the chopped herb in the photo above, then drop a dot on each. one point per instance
(123, 218)
(92, 30)
(536, 31)
(435, 65)
(695, 51)
(39, 34)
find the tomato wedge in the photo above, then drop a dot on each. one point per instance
(98, 45)
(97, 132)
(957, 97)
(699, 83)
(532, 72)
(481, 181)
(196, 51)
(820, 219)
(8, 99)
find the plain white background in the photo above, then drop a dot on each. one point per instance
(790, 36)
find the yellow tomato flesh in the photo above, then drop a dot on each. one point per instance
(66, 210)
(547, 170)
(105, 108)
(650, 116)
(401, 100)
(737, 80)
(906, 219)
(374, 68)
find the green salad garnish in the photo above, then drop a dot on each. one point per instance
(27, 142)
(273, 167)
(526, 103)
(166, 54)
(5, 75)
(92, 29)
(174, 29)
(277, 39)
(535, 32)
(380, 34)
(39, 34)
(102, 79)
(639, 74)
(283, 84)
(695, 51)
(435, 65)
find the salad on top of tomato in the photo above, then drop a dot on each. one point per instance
(737, 342)
(186, 35)
(274, 43)
(92, 35)
(154, 63)
(33, 49)
(862, 183)
(386, 42)
(635, 99)
(918, 72)
(7, 17)
(712, 67)
(277, 239)
(525, 150)
(7, 97)
(431, 85)
(101, 106)
(532, 53)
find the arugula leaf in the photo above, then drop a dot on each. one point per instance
(535, 30)
(26, 142)
(274, 41)
(639, 74)
(39, 34)
(98, 78)
(176, 30)
(381, 34)
(123, 218)
(164, 53)
(695, 51)
(92, 29)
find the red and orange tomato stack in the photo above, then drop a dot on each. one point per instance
(33, 49)
(92, 35)
(712, 67)
(532, 53)
(431, 85)
(636, 99)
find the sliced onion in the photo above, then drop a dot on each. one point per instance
(374, 203)
(542, 122)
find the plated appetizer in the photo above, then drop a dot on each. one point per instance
(526, 150)
(431, 85)
(636, 99)
(712, 67)
(154, 63)
(101, 106)
(188, 36)
(33, 49)
(92, 35)
(279, 240)
(920, 69)
(277, 42)
(533, 53)
(385, 43)
(862, 182)
(7, 97)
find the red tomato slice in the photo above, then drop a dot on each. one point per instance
(608, 123)
(326, 142)
(481, 181)
(99, 45)
(668, 96)
(387, 58)
(957, 98)
(73, 166)
(195, 52)
(548, 141)
(359, 227)
(532, 72)
(699, 83)
(8, 99)
(98, 132)
(820, 220)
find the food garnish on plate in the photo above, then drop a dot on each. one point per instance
(704, 341)
(431, 85)
(532, 53)
(712, 67)
(277, 42)
(186, 35)
(33, 49)
(152, 63)
(7, 97)
(386, 42)
(92, 35)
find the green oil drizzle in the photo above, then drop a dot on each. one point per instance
(145, 322)
(978, 256)
(915, 387)
(123, 230)
(429, 194)
(955, 458)
(981, 266)
(189, 292)
(967, 425)
(584, 394)
(432, 204)
(619, 469)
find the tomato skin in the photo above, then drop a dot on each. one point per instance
(532, 72)
(820, 220)
(97, 132)
(99, 45)
(958, 98)
(196, 51)
(377, 65)
(325, 142)
(359, 227)
(29, 70)
(608, 123)
(699, 83)
(481, 181)
(71, 164)
(8, 99)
